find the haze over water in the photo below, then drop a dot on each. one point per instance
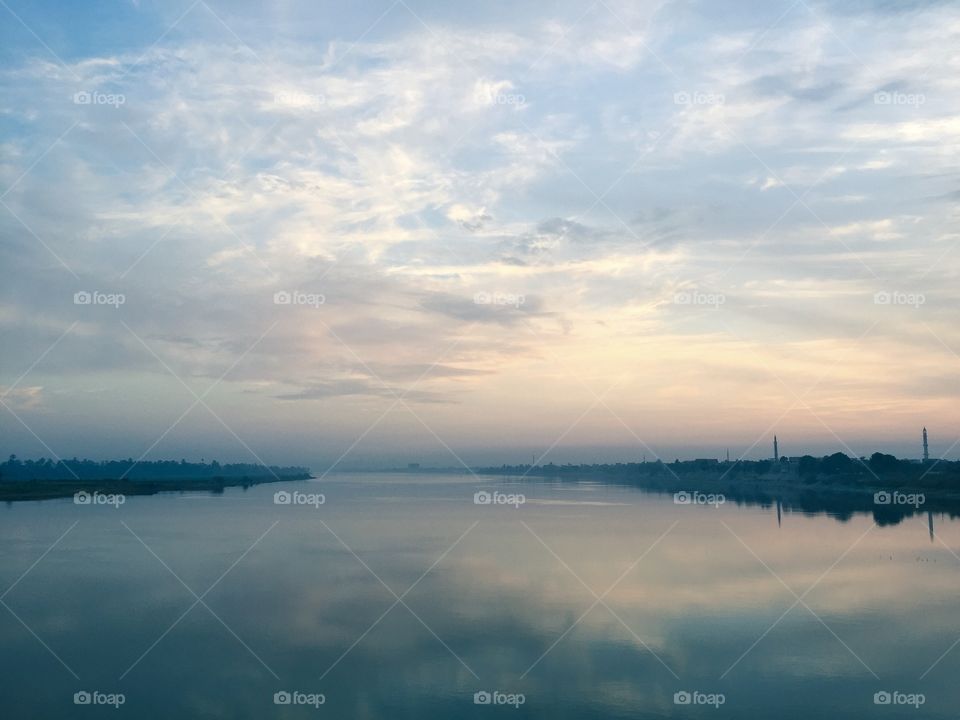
(692, 599)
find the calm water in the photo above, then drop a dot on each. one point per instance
(301, 598)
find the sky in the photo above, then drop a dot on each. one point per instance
(366, 234)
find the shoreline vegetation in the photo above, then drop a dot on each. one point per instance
(47, 480)
(888, 487)
(832, 473)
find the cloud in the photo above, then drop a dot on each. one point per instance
(359, 386)
(468, 218)
(874, 229)
(589, 163)
(22, 398)
(500, 307)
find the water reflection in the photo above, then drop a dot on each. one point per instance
(691, 598)
(812, 501)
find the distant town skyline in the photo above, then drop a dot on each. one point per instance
(426, 232)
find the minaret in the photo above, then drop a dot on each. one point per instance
(776, 450)
(728, 454)
(926, 449)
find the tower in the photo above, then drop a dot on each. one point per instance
(776, 450)
(926, 449)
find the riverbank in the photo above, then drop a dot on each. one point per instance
(23, 490)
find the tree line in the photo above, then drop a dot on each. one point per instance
(17, 470)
